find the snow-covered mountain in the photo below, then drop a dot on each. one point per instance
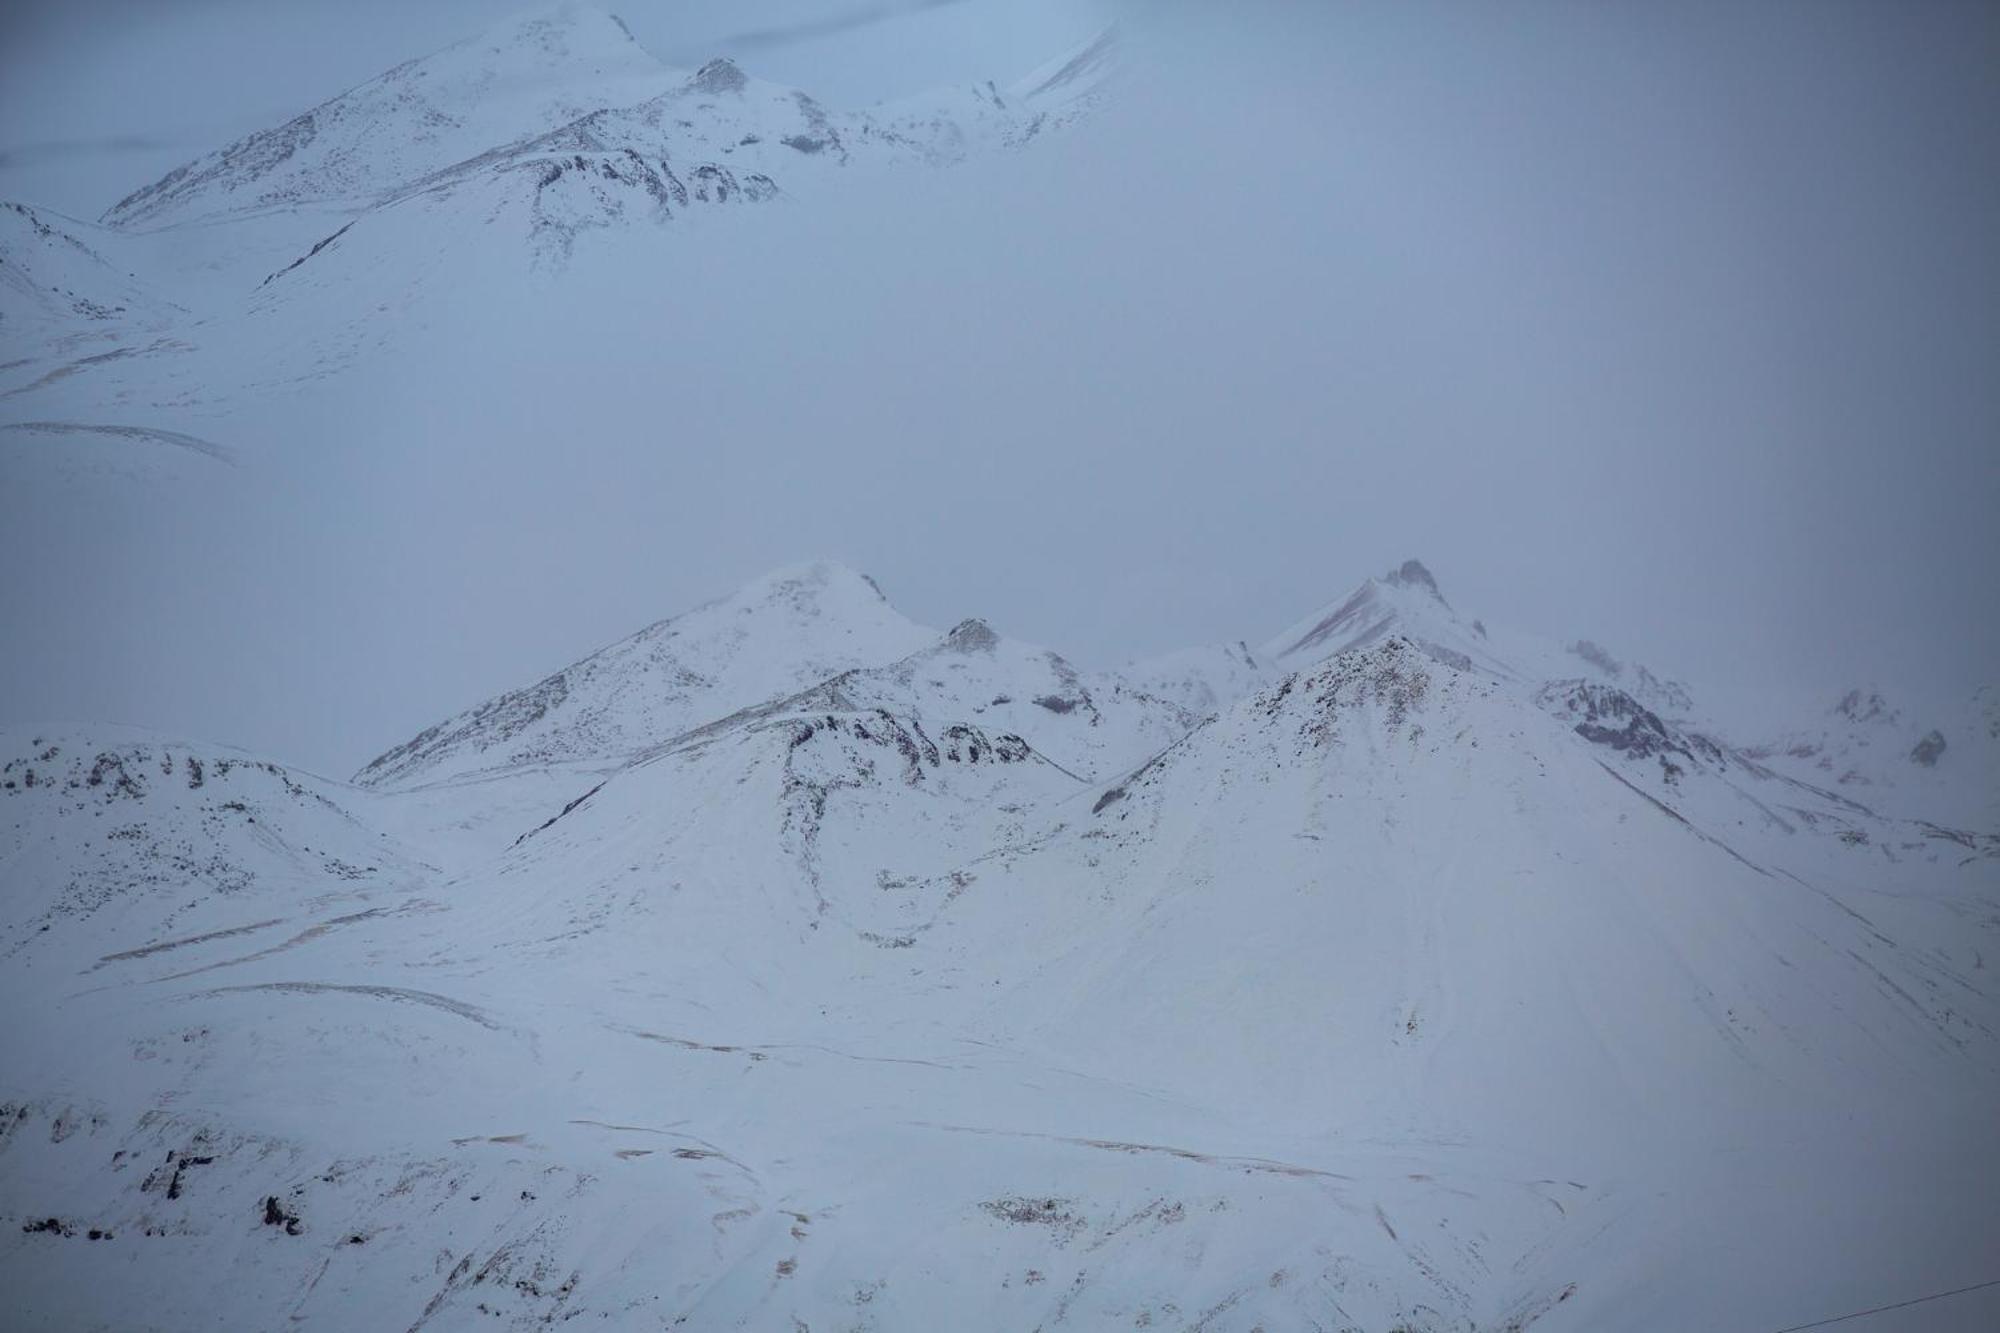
(523, 78)
(571, 82)
(475, 167)
(59, 285)
(803, 638)
(789, 630)
(792, 964)
(1407, 601)
(1941, 763)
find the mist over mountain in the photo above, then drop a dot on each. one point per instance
(476, 849)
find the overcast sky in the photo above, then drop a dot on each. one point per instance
(1675, 327)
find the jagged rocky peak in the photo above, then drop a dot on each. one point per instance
(1598, 657)
(1668, 696)
(717, 77)
(1928, 750)
(1862, 706)
(972, 636)
(1609, 716)
(1414, 574)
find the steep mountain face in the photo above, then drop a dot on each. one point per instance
(789, 963)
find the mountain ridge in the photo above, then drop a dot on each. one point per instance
(1423, 985)
(790, 963)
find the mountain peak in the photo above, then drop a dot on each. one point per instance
(777, 634)
(972, 636)
(566, 30)
(717, 77)
(1413, 574)
(1077, 71)
(814, 579)
(1868, 705)
(1405, 600)
(527, 75)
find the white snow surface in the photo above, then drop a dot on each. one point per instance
(791, 629)
(1942, 764)
(789, 964)
(275, 259)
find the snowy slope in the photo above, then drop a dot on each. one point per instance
(1408, 601)
(479, 169)
(811, 638)
(1390, 994)
(571, 77)
(713, 136)
(1938, 763)
(1202, 680)
(1649, 732)
(523, 77)
(130, 832)
(55, 281)
(1090, 724)
(789, 964)
(780, 634)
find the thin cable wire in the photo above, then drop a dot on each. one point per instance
(1935, 1296)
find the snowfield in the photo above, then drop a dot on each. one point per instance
(966, 989)
(793, 965)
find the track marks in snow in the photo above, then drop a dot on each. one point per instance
(763, 1052)
(397, 994)
(163, 946)
(143, 434)
(1680, 819)
(1259, 1165)
(305, 936)
(701, 1151)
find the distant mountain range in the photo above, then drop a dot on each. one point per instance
(793, 965)
(533, 135)
(790, 961)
